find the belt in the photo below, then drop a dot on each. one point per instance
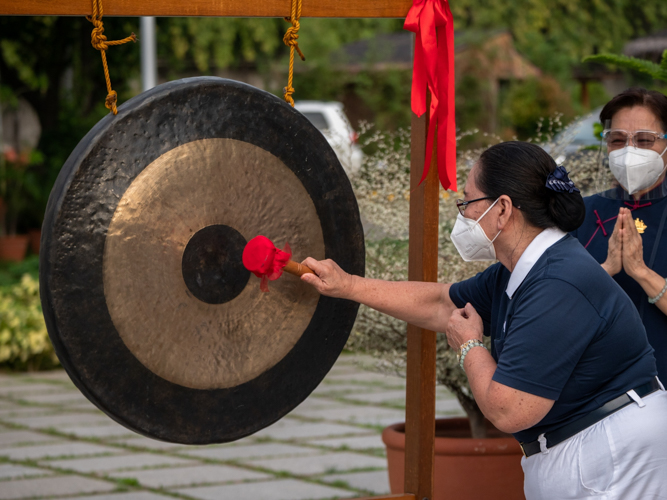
(569, 430)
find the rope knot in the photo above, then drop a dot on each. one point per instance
(111, 100)
(97, 38)
(99, 41)
(291, 36)
(291, 40)
(287, 93)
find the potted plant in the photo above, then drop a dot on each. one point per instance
(462, 444)
(15, 187)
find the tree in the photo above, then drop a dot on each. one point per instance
(557, 34)
(655, 71)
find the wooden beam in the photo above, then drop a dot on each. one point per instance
(223, 8)
(423, 266)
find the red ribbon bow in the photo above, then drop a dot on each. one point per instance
(434, 68)
(264, 260)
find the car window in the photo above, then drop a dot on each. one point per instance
(317, 119)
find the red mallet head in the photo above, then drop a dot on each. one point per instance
(264, 260)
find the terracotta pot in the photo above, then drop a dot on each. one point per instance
(13, 247)
(35, 238)
(465, 468)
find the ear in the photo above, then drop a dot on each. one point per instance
(505, 213)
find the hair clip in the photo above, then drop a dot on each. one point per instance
(559, 181)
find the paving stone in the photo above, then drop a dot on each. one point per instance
(84, 405)
(151, 444)
(99, 431)
(60, 420)
(353, 443)
(377, 396)
(377, 482)
(313, 403)
(52, 486)
(58, 374)
(53, 398)
(63, 449)
(285, 489)
(338, 390)
(189, 476)
(250, 451)
(359, 414)
(131, 495)
(117, 462)
(290, 429)
(448, 406)
(15, 471)
(320, 464)
(366, 377)
(22, 437)
(22, 388)
(18, 413)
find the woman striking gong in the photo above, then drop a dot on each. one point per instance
(570, 373)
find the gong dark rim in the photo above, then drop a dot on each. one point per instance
(80, 209)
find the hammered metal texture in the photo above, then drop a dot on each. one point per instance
(174, 334)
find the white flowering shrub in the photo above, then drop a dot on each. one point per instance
(382, 187)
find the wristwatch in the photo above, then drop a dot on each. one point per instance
(465, 347)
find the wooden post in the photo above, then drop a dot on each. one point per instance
(423, 266)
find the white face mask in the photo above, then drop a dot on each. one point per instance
(470, 239)
(636, 169)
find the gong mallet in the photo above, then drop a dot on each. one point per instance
(264, 260)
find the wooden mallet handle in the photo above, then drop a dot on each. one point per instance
(297, 269)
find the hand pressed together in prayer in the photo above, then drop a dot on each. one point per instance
(464, 325)
(625, 249)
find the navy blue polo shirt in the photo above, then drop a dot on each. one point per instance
(569, 333)
(653, 215)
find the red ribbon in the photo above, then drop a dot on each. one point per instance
(434, 69)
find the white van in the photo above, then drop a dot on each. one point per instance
(331, 120)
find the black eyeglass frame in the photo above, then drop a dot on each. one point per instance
(462, 205)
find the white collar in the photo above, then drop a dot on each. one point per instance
(531, 255)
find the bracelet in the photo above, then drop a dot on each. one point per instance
(463, 351)
(659, 296)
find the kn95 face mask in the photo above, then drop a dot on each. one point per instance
(470, 239)
(636, 169)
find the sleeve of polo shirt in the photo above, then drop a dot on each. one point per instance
(477, 290)
(546, 336)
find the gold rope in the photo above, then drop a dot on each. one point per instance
(99, 41)
(290, 39)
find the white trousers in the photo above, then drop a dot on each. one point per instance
(622, 457)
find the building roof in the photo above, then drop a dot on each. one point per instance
(395, 51)
(647, 47)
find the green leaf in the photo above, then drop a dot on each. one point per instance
(656, 71)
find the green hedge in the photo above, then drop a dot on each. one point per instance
(24, 342)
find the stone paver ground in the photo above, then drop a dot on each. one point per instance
(55, 444)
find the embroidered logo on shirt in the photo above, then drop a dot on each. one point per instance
(639, 224)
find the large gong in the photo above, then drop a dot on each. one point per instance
(146, 300)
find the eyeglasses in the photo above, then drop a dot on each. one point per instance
(642, 139)
(462, 205)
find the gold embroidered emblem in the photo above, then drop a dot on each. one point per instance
(639, 224)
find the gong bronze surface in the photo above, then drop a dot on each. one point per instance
(145, 297)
